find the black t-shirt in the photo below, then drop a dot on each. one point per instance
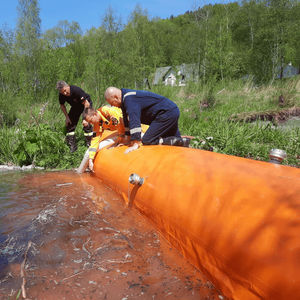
(76, 93)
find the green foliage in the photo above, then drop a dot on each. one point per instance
(249, 39)
(214, 131)
(18, 294)
(41, 145)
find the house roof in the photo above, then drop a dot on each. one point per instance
(190, 71)
(160, 73)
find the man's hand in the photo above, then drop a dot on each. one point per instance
(123, 140)
(85, 123)
(91, 165)
(85, 102)
(68, 121)
(134, 145)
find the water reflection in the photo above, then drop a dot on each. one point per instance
(85, 244)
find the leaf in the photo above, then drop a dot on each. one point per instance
(18, 295)
(31, 148)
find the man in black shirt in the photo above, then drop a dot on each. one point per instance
(78, 100)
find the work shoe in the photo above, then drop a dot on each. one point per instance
(71, 142)
(186, 142)
(176, 141)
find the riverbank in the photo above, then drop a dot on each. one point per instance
(4, 168)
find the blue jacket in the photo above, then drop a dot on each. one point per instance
(142, 107)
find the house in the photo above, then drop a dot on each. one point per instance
(287, 71)
(176, 76)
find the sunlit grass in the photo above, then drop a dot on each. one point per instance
(213, 130)
(35, 134)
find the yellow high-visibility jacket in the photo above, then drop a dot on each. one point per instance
(111, 119)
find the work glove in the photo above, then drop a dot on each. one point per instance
(91, 165)
(135, 146)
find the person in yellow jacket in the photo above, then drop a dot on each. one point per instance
(105, 118)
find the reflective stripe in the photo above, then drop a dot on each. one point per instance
(135, 130)
(88, 134)
(70, 133)
(92, 149)
(129, 94)
(102, 116)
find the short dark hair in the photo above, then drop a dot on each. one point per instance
(60, 84)
(88, 111)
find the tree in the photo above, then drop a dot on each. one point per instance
(28, 42)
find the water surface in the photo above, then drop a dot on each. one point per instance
(77, 240)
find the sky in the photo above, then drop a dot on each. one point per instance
(89, 13)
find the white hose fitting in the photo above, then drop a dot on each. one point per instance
(136, 179)
(277, 156)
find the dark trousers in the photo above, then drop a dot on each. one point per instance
(74, 115)
(164, 125)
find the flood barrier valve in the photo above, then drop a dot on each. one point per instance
(136, 179)
(277, 156)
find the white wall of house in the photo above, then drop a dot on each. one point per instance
(170, 80)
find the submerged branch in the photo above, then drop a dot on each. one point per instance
(23, 271)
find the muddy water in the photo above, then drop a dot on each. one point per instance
(73, 238)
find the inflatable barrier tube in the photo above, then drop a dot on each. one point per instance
(236, 219)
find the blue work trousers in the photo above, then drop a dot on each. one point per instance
(164, 125)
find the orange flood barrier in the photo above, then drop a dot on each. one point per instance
(236, 219)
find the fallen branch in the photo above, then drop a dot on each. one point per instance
(66, 278)
(23, 271)
(219, 92)
(273, 116)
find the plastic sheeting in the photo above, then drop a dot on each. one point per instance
(235, 219)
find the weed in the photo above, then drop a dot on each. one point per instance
(38, 136)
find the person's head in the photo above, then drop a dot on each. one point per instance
(113, 96)
(63, 88)
(91, 115)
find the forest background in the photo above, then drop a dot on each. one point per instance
(241, 49)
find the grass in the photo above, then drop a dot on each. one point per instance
(213, 130)
(36, 134)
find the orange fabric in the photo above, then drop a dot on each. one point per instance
(235, 219)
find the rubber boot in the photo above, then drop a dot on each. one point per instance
(71, 141)
(175, 141)
(88, 139)
(88, 134)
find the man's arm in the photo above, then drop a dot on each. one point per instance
(64, 110)
(134, 112)
(84, 97)
(125, 122)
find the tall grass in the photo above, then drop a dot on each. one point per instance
(35, 133)
(213, 130)
(8, 145)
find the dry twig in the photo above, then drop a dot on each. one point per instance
(23, 271)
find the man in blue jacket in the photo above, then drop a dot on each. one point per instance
(148, 108)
